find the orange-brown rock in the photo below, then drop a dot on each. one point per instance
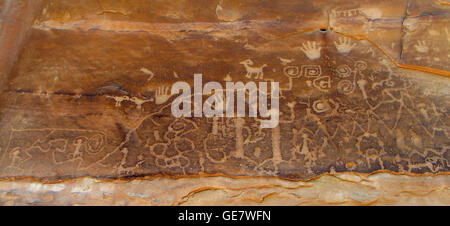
(364, 88)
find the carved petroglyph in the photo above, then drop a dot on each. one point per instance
(311, 50)
(344, 45)
(148, 72)
(285, 61)
(343, 107)
(322, 83)
(56, 147)
(139, 102)
(369, 13)
(311, 70)
(344, 71)
(421, 47)
(306, 136)
(228, 78)
(136, 100)
(346, 13)
(119, 99)
(345, 87)
(162, 95)
(257, 72)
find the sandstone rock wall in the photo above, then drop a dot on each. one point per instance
(364, 101)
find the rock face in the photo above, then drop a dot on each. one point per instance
(364, 88)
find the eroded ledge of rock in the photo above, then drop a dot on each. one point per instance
(333, 189)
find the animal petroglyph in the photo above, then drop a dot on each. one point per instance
(257, 72)
(285, 61)
(119, 99)
(139, 102)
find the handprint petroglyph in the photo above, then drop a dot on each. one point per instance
(421, 47)
(311, 50)
(162, 95)
(344, 45)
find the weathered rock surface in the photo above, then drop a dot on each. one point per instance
(336, 189)
(364, 88)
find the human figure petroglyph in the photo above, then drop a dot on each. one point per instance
(309, 155)
(16, 158)
(257, 72)
(61, 147)
(311, 50)
(77, 153)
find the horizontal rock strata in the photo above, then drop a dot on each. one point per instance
(86, 93)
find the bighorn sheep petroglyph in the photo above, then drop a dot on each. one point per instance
(256, 71)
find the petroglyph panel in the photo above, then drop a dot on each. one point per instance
(364, 87)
